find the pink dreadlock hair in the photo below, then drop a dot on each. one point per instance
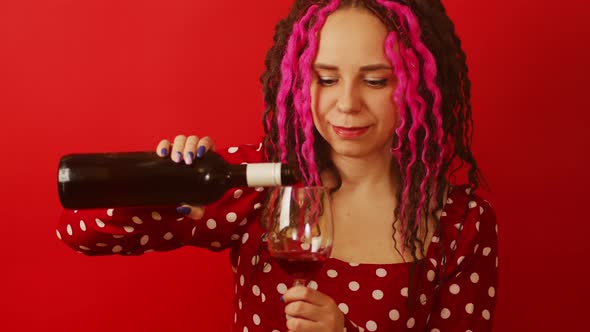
(432, 96)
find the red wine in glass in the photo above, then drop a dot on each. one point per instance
(301, 265)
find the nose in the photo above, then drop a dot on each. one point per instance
(349, 100)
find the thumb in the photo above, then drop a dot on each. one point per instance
(193, 212)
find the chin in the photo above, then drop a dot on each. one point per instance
(358, 148)
(350, 149)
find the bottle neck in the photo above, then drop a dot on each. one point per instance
(261, 175)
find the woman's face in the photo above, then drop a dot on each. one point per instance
(353, 85)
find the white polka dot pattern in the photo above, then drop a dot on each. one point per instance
(99, 223)
(211, 224)
(372, 296)
(404, 292)
(231, 217)
(343, 307)
(430, 275)
(282, 288)
(394, 315)
(377, 294)
(423, 299)
(256, 290)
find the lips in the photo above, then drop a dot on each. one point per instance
(350, 132)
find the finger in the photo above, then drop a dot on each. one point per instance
(296, 324)
(205, 144)
(163, 148)
(190, 149)
(193, 212)
(177, 148)
(310, 295)
(305, 310)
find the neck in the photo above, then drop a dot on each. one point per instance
(374, 172)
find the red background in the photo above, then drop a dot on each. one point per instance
(119, 75)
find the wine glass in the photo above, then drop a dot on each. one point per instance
(300, 230)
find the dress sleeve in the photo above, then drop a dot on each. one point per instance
(137, 230)
(466, 298)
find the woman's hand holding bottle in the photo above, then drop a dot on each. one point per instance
(186, 149)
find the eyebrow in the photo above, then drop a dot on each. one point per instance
(374, 67)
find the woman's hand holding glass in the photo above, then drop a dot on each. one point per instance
(300, 234)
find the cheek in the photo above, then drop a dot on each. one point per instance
(387, 111)
(393, 115)
(320, 105)
(318, 113)
(314, 105)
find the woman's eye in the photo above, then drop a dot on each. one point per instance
(327, 81)
(377, 83)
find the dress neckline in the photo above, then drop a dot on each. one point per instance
(429, 252)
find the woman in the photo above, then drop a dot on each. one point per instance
(371, 99)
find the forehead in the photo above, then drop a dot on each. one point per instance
(352, 35)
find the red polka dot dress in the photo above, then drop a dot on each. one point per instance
(457, 291)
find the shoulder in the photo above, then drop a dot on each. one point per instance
(468, 221)
(468, 234)
(464, 208)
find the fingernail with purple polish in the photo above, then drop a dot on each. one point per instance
(201, 151)
(189, 158)
(178, 157)
(183, 210)
(282, 299)
(164, 151)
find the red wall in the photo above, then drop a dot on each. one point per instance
(119, 75)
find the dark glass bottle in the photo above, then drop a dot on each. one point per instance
(108, 180)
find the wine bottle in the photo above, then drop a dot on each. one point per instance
(108, 180)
